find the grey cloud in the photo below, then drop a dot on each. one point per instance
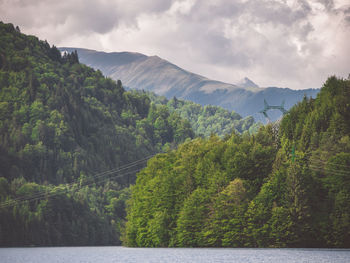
(328, 4)
(93, 18)
(219, 50)
(262, 10)
(347, 19)
(305, 30)
(221, 8)
(205, 23)
(347, 16)
(81, 15)
(305, 6)
(268, 37)
(278, 13)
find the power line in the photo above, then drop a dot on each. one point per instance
(96, 176)
(321, 169)
(54, 192)
(327, 169)
(57, 191)
(329, 163)
(93, 178)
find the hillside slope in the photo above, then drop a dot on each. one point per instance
(138, 71)
(206, 120)
(286, 189)
(62, 126)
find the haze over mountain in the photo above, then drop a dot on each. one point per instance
(152, 73)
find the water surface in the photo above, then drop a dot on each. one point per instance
(178, 255)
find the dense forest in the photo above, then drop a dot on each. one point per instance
(288, 185)
(72, 141)
(206, 120)
(62, 124)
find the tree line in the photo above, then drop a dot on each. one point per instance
(268, 189)
(206, 120)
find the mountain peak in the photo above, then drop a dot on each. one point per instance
(247, 83)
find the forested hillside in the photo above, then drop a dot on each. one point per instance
(285, 189)
(62, 124)
(206, 120)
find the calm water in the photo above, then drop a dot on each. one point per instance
(122, 254)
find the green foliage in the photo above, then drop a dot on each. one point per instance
(191, 218)
(73, 215)
(249, 191)
(61, 122)
(197, 187)
(61, 117)
(206, 120)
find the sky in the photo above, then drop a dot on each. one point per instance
(284, 43)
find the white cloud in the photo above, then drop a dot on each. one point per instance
(293, 43)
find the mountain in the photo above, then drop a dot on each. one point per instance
(138, 71)
(62, 126)
(151, 73)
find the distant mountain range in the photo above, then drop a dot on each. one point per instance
(152, 73)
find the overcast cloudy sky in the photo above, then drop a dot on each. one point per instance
(285, 43)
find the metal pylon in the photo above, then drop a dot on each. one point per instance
(270, 107)
(274, 125)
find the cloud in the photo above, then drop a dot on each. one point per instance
(78, 16)
(289, 43)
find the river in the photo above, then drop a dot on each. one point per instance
(178, 255)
